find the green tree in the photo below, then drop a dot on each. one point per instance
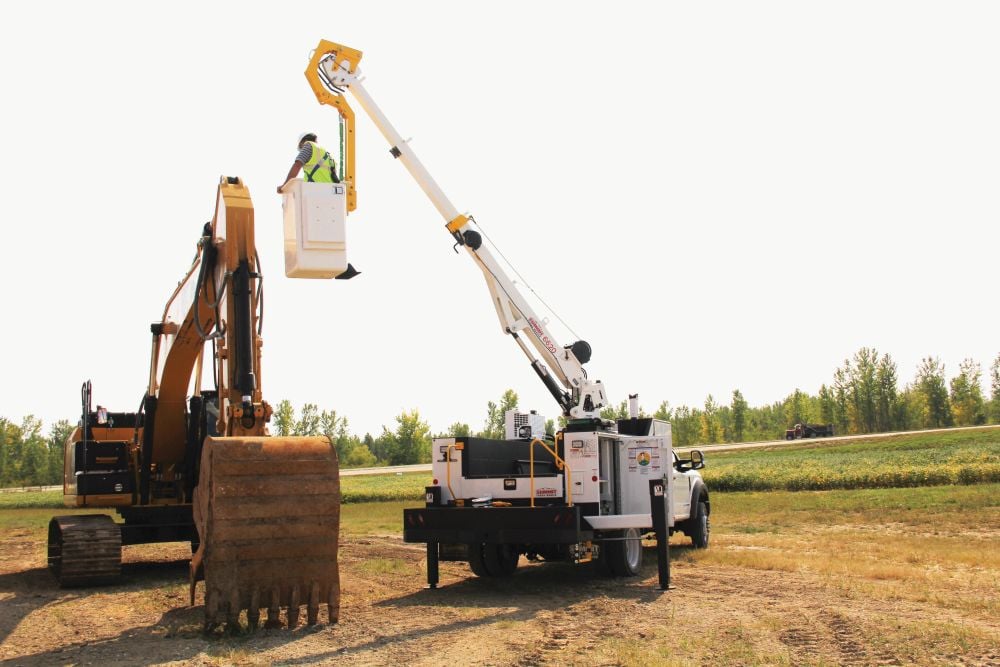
(739, 410)
(459, 430)
(841, 390)
(495, 415)
(710, 421)
(685, 426)
(886, 394)
(615, 412)
(284, 418)
(664, 412)
(58, 434)
(930, 382)
(967, 403)
(796, 408)
(827, 405)
(995, 390)
(862, 373)
(309, 420)
(6, 462)
(411, 441)
(34, 456)
(911, 407)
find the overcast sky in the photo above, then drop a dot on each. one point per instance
(715, 195)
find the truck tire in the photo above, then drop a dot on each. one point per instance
(698, 526)
(500, 559)
(477, 562)
(622, 556)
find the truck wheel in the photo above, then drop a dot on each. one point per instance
(477, 562)
(622, 557)
(699, 526)
(500, 559)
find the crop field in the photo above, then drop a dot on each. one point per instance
(962, 457)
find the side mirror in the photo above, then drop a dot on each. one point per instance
(697, 459)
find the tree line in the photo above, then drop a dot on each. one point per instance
(863, 396)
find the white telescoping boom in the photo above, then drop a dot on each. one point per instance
(334, 69)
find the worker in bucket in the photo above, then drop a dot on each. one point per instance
(313, 161)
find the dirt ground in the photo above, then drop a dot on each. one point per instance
(546, 614)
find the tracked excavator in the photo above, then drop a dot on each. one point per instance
(197, 464)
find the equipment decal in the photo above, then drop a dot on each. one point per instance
(643, 459)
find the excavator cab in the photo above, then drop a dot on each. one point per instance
(198, 464)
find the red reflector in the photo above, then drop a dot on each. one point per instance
(594, 478)
(435, 482)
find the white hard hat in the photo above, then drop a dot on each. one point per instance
(306, 135)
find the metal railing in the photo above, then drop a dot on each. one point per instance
(560, 465)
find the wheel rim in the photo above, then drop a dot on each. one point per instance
(633, 549)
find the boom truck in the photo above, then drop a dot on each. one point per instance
(583, 493)
(197, 464)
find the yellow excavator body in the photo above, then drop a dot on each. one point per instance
(198, 464)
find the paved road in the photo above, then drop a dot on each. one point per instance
(426, 467)
(786, 443)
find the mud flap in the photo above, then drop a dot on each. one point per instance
(267, 511)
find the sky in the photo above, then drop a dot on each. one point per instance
(716, 196)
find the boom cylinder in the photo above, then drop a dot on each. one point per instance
(244, 381)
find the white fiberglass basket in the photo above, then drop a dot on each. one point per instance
(315, 235)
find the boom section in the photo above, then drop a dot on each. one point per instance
(334, 69)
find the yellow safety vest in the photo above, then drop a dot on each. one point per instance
(320, 168)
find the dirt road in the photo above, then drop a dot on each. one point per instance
(546, 614)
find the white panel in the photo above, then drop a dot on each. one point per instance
(315, 216)
(620, 521)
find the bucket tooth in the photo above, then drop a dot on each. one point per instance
(274, 610)
(233, 613)
(253, 613)
(267, 510)
(312, 611)
(293, 608)
(333, 603)
(211, 609)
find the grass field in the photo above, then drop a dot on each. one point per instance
(353, 489)
(870, 576)
(914, 460)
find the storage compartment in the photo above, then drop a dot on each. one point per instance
(314, 224)
(92, 455)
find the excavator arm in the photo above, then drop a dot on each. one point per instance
(262, 511)
(334, 69)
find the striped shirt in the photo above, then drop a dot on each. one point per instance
(305, 153)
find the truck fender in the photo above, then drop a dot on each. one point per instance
(699, 492)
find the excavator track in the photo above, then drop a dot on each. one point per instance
(85, 549)
(267, 510)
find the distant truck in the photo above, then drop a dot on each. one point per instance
(809, 431)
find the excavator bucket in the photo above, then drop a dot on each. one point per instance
(267, 510)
